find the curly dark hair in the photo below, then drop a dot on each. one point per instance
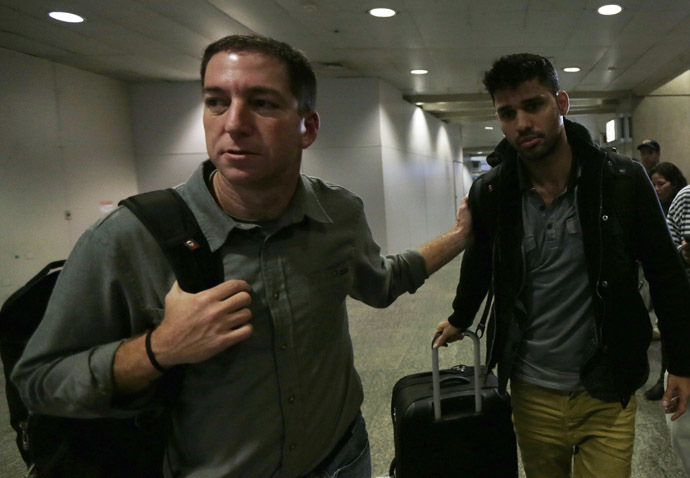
(301, 74)
(509, 71)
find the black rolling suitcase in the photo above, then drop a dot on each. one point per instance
(457, 432)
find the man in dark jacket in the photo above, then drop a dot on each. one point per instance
(559, 225)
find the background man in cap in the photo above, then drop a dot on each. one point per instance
(650, 151)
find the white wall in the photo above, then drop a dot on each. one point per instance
(65, 145)
(664, 115)
(418, 152)
(348, 148)
(168, 132)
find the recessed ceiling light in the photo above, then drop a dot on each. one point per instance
(571, 69)
(488, 127)
(419, 72)
(480, 152)
(382, 12)
(66, 17)
(610, 9)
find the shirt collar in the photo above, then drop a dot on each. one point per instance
(525, 183)
(216, 225)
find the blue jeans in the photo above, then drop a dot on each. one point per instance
(353, 460)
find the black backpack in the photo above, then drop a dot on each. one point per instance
(58, 447)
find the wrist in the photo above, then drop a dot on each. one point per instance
(151, 355)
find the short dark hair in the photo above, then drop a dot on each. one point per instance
(300, 72)
(670, 173)
(509, 71)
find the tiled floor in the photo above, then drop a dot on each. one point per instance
(394, 342)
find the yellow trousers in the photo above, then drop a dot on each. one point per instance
(564, 434)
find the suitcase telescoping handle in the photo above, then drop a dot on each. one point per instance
(436, 376)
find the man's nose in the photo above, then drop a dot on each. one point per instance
(237, 117)
(523, 120)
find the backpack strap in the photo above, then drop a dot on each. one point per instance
(168, 218)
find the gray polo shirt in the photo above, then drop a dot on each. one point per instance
(273, 405)
(556, 296)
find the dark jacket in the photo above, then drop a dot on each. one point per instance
(621, 223)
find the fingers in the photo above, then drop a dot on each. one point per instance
(448, 333)
(675, 399)
(238, 335)
(227, 289)
(674, 404)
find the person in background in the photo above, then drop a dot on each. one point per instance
(679, 224)
(270, 388)
(668, 180)
(650, 153)
(558, 226)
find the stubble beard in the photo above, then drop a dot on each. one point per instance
(539, 153)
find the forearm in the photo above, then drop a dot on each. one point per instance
(441, 250)
(133, 372)
(444, 248)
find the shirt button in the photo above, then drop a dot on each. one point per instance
(604, 218)
(283, 347)
(291, 399)
(293, 446)
(276, 295)
(604, 283)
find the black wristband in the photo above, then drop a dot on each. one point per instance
(152, 357)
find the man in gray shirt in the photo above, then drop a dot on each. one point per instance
(270, 388)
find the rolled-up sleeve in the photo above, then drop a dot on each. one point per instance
(67, 366)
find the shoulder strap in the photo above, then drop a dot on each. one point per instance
(485, 315)
(173, 225)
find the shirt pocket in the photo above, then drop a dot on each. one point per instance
(318, 294)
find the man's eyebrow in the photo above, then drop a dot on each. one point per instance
(526, 101)
(213, 90)
(253, 90)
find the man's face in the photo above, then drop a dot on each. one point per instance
(649, 157)
(254, 132)
(531, 118)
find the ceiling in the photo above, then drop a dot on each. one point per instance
(629, 54)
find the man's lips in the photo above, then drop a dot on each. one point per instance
(529, 141)
(239, 152)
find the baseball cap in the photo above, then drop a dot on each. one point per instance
(650, 143)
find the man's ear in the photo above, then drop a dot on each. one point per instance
(563, 102)
(311, 124)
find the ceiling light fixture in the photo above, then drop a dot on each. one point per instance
(489, 127)
(419, 72)
(382, 12)
(571, 69)
(66, 17)
(610, 9)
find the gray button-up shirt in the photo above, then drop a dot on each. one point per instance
(273, 405)
(560, 326)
